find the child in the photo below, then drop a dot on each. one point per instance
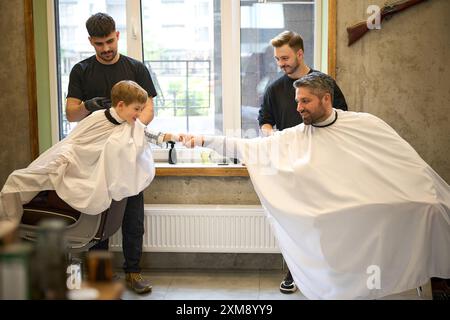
(107, 156)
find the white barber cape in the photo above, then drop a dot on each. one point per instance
(356, 212)
(97, 162)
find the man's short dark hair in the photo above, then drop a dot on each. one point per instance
(319, 83)
(100, 25)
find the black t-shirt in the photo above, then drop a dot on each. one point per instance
(90, 78)
(279, 107)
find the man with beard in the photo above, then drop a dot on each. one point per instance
(356, 212)
(279, 108)
(90, 84)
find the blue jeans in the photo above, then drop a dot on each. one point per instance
(132, 234)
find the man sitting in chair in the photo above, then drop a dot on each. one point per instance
(356, 212)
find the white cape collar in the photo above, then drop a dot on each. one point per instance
(327, 122)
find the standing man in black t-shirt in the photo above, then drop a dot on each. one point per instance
(279, 108)
(90, 84)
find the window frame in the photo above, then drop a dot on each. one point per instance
(31, 79)
(325, 18)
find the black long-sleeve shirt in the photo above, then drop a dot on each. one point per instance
(279, 107)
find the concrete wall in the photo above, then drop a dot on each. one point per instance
(14, 127)
(401, 73)
(201, 190)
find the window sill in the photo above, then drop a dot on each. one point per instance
(200, 170)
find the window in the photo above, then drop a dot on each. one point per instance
(210, 60)
(260, 22)
(183, 58)
(73, 45)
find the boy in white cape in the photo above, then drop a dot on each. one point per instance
(107, 156)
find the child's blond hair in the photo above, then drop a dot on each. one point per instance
(129, 92)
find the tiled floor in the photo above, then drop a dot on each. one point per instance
(230, 285)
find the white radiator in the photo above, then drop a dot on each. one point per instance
(205, 228)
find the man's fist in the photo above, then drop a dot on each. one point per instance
(191, 141)
(97, 103)
(172, 137)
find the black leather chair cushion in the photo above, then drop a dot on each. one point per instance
(47, 205)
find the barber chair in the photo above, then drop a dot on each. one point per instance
(82, 230)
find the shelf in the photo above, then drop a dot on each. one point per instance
(200, 170)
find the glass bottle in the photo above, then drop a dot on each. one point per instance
(51, 261)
